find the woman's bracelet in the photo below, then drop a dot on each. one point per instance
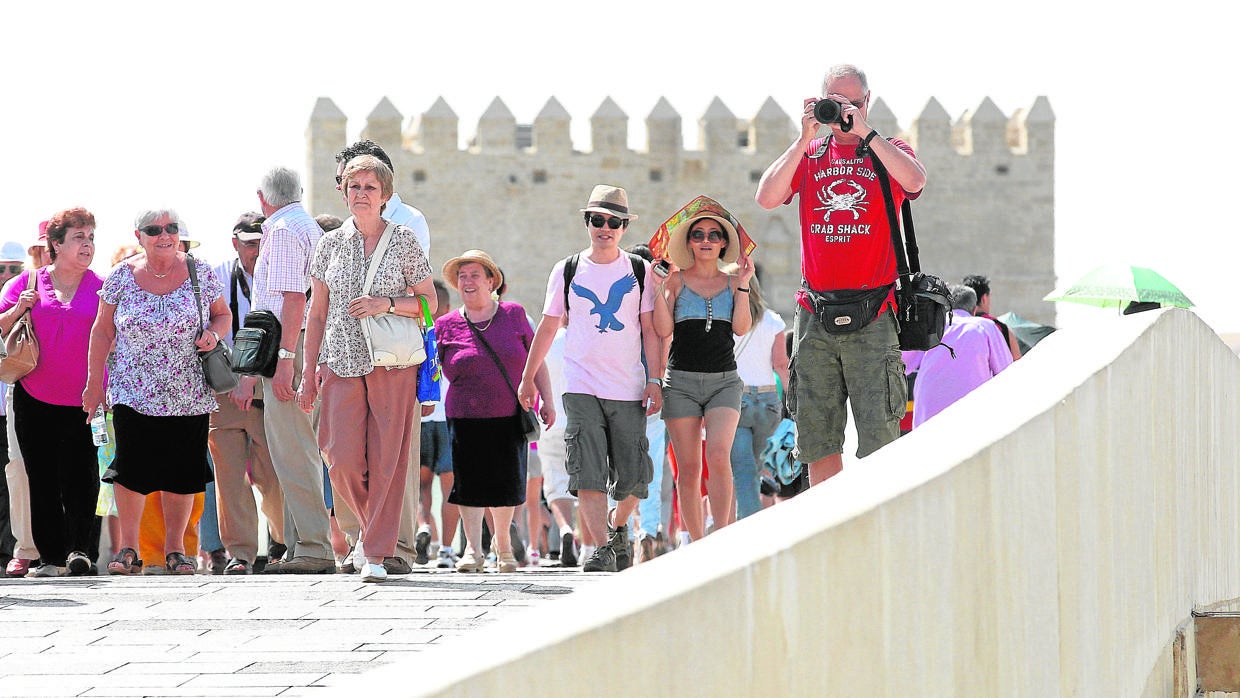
(742, 289)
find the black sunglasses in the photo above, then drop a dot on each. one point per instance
(598, 221)
(13, 268)
(157, 230)
(713, 236)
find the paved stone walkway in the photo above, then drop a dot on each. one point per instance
(262, 635)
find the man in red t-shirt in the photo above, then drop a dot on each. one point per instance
(845, 247)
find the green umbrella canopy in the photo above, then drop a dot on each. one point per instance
(1117, 285)
(1028, 333)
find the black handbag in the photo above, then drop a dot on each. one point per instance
(256, 346)
(216, 362)
(923, 301)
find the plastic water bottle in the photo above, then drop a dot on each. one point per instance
(99, 428)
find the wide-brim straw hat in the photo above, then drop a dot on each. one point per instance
(608, 199)
(678, 237)
(453, 265)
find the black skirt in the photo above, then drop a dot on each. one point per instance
(160, 454)
(488, 462)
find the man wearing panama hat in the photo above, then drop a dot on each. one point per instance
(609, 389)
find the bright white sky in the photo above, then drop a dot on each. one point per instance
(125, 106)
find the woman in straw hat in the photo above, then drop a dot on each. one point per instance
(366, 412)
(483, 349)
(701, 308)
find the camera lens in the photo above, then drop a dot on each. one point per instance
(827, 111)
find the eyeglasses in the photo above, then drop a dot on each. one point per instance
(598, 221)
(157, 230)
(13, 268)
(713, 236)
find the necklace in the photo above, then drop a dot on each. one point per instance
(158, 276)
(479, 325)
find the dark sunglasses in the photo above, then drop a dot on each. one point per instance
(598, 221)
(713, 236)
(13, 268)
(157, 230)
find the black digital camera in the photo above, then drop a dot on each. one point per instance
(828, 111)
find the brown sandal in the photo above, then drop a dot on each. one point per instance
(125, 562)
(178, 563)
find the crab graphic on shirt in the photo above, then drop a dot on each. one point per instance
(853, 202)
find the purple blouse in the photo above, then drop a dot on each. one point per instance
(63, 332)
(476, 388)
(156, 370)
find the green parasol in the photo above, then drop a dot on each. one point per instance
(1117, 285)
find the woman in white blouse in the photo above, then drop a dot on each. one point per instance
(366, 413)
(761, 354)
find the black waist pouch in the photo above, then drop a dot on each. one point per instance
(256, 346)
(841, 312)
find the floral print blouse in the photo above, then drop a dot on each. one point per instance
(340, 262)
(155, 368)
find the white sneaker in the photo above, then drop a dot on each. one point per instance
(533, 555)
(373, 572)
(447, 558)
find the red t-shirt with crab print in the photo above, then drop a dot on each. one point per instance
(845, 236)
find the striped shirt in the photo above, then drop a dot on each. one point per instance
(289, 238)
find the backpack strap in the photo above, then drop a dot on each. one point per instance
(570, 270)
(639, 271)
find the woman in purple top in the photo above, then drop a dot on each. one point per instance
(47, 402)
(484, 421)
(161, 403)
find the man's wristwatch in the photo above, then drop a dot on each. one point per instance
(286, 354)
(656, 381)
(391, 305)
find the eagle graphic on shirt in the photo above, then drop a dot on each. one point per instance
(606, 311)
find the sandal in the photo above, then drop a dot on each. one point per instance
(238, 566)
(125, 562)
(178, 563)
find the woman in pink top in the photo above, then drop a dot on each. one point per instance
(47, 403)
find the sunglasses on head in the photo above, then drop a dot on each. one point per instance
(598, 221)
(714, 235)
(13, 268)
(157, 230)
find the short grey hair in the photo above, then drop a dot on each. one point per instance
(281, 187)
(845, 70)
(151, 215)
(963, 298)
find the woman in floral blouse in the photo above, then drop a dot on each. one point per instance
(366, 413)
(160, 400)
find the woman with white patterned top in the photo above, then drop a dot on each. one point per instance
(366, 413)
(161, 403)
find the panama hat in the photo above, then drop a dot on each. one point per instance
(608, 199)
(12, 252)
(702, 207)
(451, 267)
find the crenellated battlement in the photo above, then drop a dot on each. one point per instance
(987, 208)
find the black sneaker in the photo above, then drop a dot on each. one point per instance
(602, 560)
(618, 540)
(219, 560)
(78, 564)
(276, 551)
(421, 547)
(568, 550)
